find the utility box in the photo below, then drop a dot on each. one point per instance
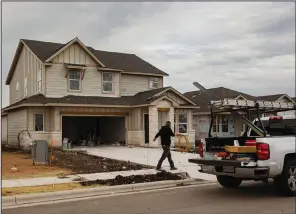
(40, 152)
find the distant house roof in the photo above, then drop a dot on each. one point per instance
(272, 97)
(203, 99)
(141, 98)
(130, 63)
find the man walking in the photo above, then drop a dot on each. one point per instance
(165, 134)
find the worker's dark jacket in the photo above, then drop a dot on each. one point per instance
(165, 134)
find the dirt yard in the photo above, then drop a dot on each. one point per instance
(16, 165)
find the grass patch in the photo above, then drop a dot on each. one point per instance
(44, 188)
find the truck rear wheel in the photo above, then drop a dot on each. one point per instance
(285, 183)
(229, 182)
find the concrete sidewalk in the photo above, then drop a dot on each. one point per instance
(150, 156)
(75, 178)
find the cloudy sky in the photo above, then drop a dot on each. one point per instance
(249, 47)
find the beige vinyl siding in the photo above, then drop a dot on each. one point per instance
(131, 84)
(177, 98)
(4, 129)
(17, 122)
(75, 54)
(91, 85)
(136, 119)
(27, 66)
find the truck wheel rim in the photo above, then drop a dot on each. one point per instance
(292, 178)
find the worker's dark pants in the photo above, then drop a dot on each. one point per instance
(166, 154)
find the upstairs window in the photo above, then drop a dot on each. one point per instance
(26, 86)
(39, 82)
(153, 82)
(74, 78)
(107, 82)
(17, 90)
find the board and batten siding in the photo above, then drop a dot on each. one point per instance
(91, 85)
(4, 129)
(27, 66)
(130, 84)
(16, 122)
(75, 54)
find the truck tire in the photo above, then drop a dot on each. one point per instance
(229, 182)
(285, 183)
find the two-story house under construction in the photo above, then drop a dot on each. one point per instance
(74, 91)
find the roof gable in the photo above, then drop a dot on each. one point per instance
(73, 54)
(129, 63)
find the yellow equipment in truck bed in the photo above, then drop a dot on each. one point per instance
(241, 149)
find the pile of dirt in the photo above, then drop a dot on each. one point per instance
(81, 163)
(120, 180)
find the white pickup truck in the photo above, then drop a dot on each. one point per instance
(274, 156)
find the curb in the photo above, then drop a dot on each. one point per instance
(8, 201)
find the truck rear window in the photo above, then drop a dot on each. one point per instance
(284, 127)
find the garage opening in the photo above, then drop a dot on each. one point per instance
(92, 131)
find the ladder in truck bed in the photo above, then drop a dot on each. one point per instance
(263, 105)
(235, 106)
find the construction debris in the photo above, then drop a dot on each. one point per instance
(120, 180)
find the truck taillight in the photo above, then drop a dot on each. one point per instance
(262, 151)
(276, 117)
(200, 148)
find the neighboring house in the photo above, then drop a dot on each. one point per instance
(224, 124)
(66, 90)
(278, 98)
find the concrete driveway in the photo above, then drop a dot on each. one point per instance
(150, 156)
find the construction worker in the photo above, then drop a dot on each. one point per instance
(165, 134)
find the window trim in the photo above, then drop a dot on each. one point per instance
(43, 122)
(80, 80)
(216, 123)
(39, 81)
(151, 80)
(26, 86)
(112, 82)
(178, 123)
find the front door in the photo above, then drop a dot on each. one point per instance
(146, 127)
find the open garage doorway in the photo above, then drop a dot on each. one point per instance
(92, 131)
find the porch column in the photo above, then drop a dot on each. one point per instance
(171, 119)
(153, 126)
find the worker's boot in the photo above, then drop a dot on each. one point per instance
(173, 168)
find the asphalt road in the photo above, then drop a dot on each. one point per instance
(211, 199)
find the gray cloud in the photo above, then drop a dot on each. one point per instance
(249, 47)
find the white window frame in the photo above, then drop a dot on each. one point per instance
(78, 80)
(222, 123)
(26, 86)
(39, 113)
(152, 81)
(108, 81)
(17, 87)
(182, 123)
(39, 80)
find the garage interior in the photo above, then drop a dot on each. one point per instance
(93, 131)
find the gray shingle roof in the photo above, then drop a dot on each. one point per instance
(127, 62)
